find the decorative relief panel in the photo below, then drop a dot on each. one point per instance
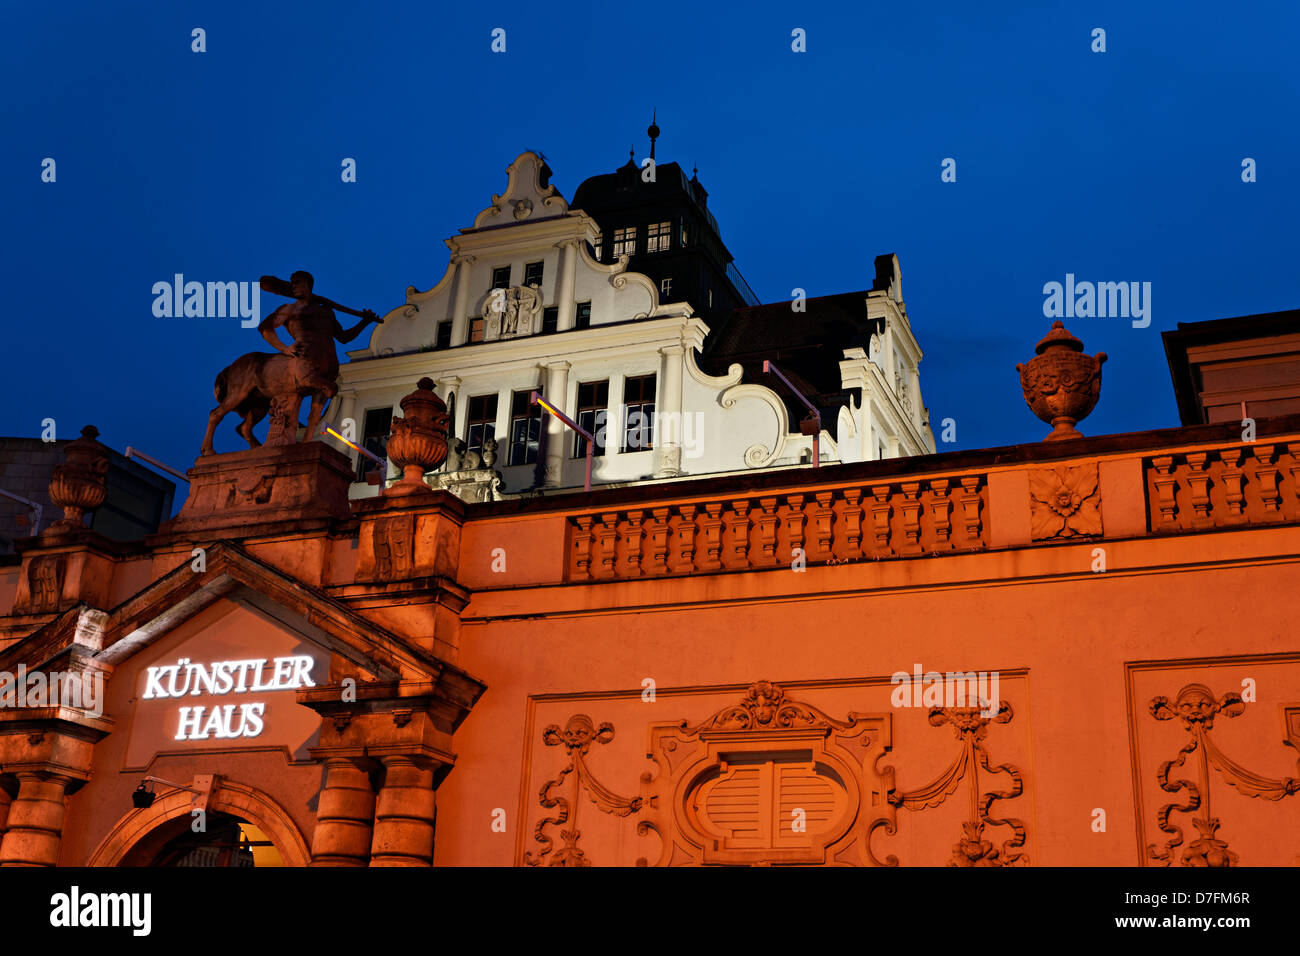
(1217, 784)
(767, 779)
(1064, 502)
(1195, 707)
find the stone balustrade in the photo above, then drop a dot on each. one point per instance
(1247, 484)
(828, 525)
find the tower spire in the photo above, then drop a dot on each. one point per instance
(653, 132)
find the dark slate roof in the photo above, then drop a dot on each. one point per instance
(624, 188)
(1213, 332)
(806, 346)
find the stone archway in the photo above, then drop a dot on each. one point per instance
(236, 799)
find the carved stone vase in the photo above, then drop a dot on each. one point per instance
(79, 484)
(1060, 383)
(419, 440)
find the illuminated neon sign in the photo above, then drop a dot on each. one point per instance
(226, 721)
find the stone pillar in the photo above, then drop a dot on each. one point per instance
(35, 824)
(404, 815)
(460, 308)
(668, 432)
(450, 388)
(566, 284)
(556, 392)
(344, 816)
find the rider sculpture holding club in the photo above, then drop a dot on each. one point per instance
(258, 383)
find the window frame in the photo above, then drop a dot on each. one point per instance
(659, 237)
(640, 406)
(532, 415)
(598, 408)
(488, 425)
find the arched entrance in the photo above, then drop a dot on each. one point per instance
(244, 827)
(225, 841)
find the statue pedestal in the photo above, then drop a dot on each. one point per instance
(251, 492)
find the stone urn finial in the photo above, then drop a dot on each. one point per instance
(419, 441)
(1061, 384)
(79, 484)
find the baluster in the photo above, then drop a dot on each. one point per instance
(582, 540)
(970, 507)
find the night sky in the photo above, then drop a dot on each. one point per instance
(225, 165)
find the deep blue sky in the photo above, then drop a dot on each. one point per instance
(225, 165)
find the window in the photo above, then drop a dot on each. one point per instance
(550, 319)
(583, 317)
(476, 329)
(501, 278)
(638, 413)
(658, 237)
(533, 273)
(710, 298)
(686, 234)
(625, 242)
(666, 287)
(525, 429)
(595, 247)
(593, 403)
(444, 336)
(374, 438)
(481, 422)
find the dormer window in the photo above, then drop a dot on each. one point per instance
(658, 237)
(595, 247)
(625, 242)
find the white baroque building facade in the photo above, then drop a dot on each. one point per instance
(538, 296)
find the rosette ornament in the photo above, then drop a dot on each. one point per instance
(79, 485)
(1061, 384)
(419, 440)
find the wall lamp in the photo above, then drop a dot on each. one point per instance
(143, 796)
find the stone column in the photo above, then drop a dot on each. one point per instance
(344, 816)
(348, 409)
(668, 430)
(404, 815)
(460, 308)
(556, 392)
(450, 389)
(35, 824)
(566, 284)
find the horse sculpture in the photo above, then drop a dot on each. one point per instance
(260, 383)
